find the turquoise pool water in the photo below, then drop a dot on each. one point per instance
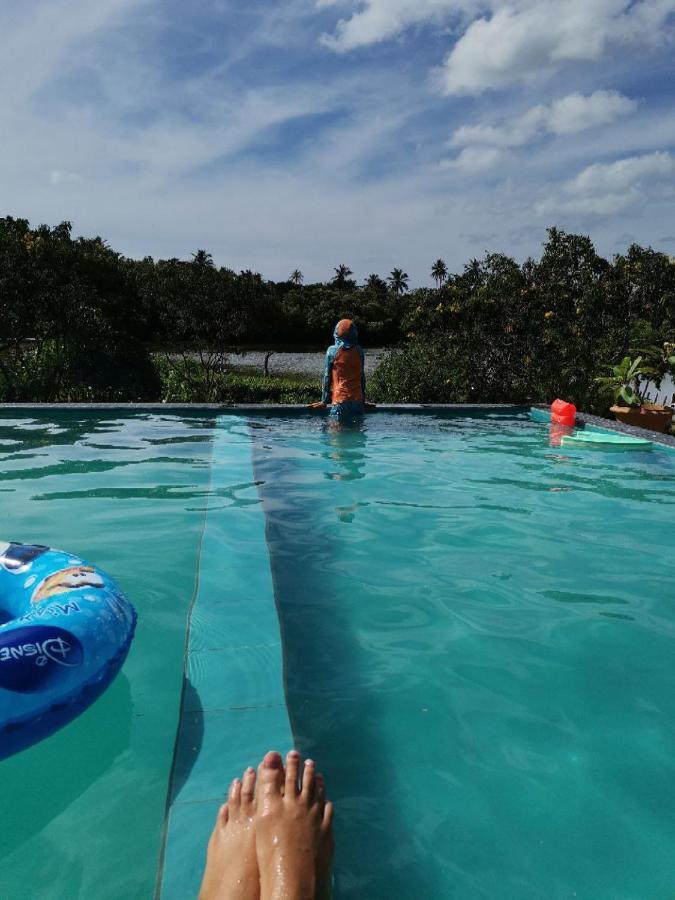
(477, 633)
(83, 811)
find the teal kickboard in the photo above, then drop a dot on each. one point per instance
(604, 441)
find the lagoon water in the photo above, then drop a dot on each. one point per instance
(305, 363)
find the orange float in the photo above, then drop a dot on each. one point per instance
(563, 413)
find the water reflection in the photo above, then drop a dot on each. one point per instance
(346, 442)
(334, 686)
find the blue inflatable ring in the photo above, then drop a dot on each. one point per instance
(65, 631)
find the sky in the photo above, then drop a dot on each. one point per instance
(309, 133)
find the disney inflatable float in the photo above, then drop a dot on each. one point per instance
(65, 631)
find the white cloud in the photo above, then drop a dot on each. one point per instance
(535, 37)
(47, 34)
(622, 175)
(303, 164)
(474, 159)
(606, 189)
(575, 112)
(380, 20)
(568, 115)
(506, 41)
(58, 176)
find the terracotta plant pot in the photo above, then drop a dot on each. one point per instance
(654, 418)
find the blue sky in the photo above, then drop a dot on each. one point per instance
(304, 134)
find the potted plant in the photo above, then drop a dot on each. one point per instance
(630, 382)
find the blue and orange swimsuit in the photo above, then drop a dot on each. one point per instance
(344, 376)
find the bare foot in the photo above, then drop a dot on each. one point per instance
(293, 831)
(231, 866)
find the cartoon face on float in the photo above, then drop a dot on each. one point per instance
(65, 631)
(71, 579)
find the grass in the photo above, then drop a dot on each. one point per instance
(185, 382)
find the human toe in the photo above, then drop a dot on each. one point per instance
(234, 796)
(248, 788)
(292, 767)
(308, 781)
(270, 776)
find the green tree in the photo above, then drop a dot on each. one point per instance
(342, 280)
(375, 283)
(398, 281)
(71, 323)
(439, 272)
(202, 258)
(203, 315)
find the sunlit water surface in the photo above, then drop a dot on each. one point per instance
(478, 632)
(82, 812)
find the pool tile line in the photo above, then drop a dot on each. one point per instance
(237, 647)
(244, 708)
(233, 707)
(186, 646)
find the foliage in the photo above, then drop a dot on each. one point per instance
(629, 380)
(342, 280)
(439, 272)
(624, 381)
(70, 327)
(418, 374)
(186, 383)
(398, 281)
(500, 332)
(78, 321)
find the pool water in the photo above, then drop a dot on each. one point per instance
(83, 810)
(477, 636)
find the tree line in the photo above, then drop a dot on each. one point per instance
(80, 321)
(503, 332)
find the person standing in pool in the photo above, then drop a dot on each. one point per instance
(344, 374)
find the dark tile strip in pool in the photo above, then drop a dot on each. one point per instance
(233, 707)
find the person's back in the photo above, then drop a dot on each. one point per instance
(344, 380)
(347, 375)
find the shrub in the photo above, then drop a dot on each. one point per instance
(185, 382)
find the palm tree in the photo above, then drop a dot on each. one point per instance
(439, 272)
(342, 274)
(375, 283)
(473, 273)
(296, 277)
(202, 258)
(398, 281)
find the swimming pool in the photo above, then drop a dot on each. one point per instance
(470, 630)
